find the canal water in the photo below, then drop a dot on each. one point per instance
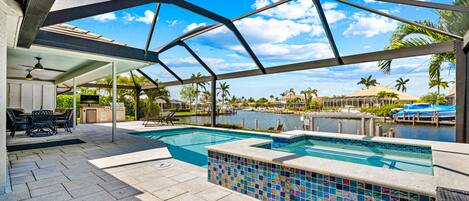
(349, 126)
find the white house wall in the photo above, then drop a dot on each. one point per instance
(31, 95)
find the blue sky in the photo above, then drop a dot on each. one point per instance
(289, 33)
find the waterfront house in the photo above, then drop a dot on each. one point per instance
(369, 98)
(293, 100)
(451, 97)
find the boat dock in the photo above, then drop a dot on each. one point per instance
(373, 130)
(417, 119)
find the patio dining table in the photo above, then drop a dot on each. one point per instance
(29, 115)
(29, 118)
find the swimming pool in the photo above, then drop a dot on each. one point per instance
(410, 158)
(188, 144)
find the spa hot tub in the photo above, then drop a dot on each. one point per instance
(302, 165)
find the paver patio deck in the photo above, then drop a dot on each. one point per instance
(131, 168)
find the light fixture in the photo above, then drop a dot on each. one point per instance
(29, 76)
(38, 66)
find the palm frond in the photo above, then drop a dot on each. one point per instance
(385, 65)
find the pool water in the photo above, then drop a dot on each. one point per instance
(384, 155)
(188, 144)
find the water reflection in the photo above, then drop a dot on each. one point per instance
(349, 126)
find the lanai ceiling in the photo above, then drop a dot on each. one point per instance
(86, 66)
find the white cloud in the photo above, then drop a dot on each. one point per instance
(329, 5)
(234, 55)
(194, 26)
(128, 17)
(369, 25)
(105, 17)
(237, 66)
(260, 3)
(287, 52)
(217, 64)
(334, 16)
(368, 67)
(259, 29)
(147, 17)
(292, 10)
(172, 22)
(181, 61)
(301, 10)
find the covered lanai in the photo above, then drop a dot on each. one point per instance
(37, 28)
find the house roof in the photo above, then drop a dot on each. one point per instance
(79, 32)
(373, 91)
(452, 92)
(291, 95)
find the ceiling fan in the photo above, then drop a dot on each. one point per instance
(29, 76)
(38, 66)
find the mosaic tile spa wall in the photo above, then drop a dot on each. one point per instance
(266, 181)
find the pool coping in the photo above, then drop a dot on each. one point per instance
(450, 169)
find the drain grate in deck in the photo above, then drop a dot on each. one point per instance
(44, 145)
(446, 194)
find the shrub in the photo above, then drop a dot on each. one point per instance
(181, 110)
(382, 111)
(64, 101)
(330, 109)
(433, 98)
(229, 126)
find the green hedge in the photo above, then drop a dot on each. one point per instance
(382, 111)
(181, 110)
(66, 101)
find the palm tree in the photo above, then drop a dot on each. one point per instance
(439, 83)
(305, 93)
(224, 91)
(206, 96)
(410, 36)
(368, 81)
(313, 92)
(381, 95)
(233, 101)
(188, 93)
(197, 91)
(152, 95)
(392, 96)
(308, 93)
(401, 84)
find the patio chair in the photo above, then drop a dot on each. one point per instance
(65, 120)
(170, 118)
(15, 122)
(42, 121)
(277, 128)
(160, 119)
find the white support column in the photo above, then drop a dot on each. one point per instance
(114, 98)
(74, 104)
(3, 101)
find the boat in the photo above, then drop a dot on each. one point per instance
(248, 109)
(428, 111)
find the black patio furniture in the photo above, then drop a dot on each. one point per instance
(161, 119)
(276, 128)
(42, 122)
(170, 118)
(15, 122)
(64, 120)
